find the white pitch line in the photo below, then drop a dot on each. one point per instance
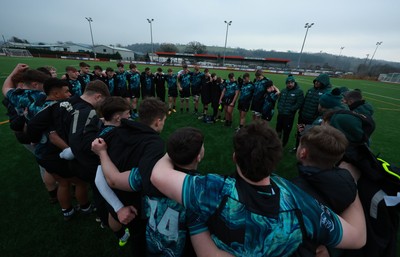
(389, 109)
(387, 97)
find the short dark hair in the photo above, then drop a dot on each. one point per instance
(44, 70)
(246, 75)
(258, 73)
(325, 144)
(70, 68)
(120, 64)
(109, 69)
(152, 108)
(132, 66)
(184, 144)
(159, 69)
(353, 95)
(97, 86)
(30, 76)
(169, 70)
(97, 67)
(231, 75)
(54, 83)
(83, 64)
(258, 150)
(113, 105)
(146, 69)
(206, 70)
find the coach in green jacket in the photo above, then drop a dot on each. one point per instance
(309, 110)
(289, 102)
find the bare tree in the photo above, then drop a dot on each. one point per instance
(195, 47)
(168, 47)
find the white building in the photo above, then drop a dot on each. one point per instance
(74, 47)
(125, 53)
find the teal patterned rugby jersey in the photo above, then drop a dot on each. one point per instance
(244, 231)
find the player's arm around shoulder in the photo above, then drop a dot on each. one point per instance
(205, 247)
(353, 225)
(168, 180)
(115, 179)
(8, 82)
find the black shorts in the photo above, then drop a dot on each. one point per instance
(84, 172)
(173, 92)
(256, 106)
(226, 100)
(59, 167)
(123, 92)
(244, 106)
(185, 93)
(134, 92)
(196, 91)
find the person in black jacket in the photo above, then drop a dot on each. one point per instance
(289, 102)
(382, 220)
(78, 124)
(159, 81)
(319, 151)
(309, 109)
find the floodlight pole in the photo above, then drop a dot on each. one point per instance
(151, 35)
(307, 26)
(340, 53)
(366, 59)
(90, 20)
(377, 45)
(226, 39)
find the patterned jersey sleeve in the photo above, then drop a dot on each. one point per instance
(321, 223)
(12, 97)
(203, 194)
(135, 180)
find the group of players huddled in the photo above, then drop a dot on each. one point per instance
(221, 94)
(89, 129)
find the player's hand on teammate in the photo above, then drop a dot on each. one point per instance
(126, 214)
(99, 145)
(21, 67)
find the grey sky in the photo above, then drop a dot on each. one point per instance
(256, 24)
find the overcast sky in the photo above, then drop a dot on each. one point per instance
(356, 25)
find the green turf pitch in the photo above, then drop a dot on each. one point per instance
(32, 227)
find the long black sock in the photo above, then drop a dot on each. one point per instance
(120, 233)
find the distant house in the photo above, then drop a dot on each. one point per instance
(125, 53)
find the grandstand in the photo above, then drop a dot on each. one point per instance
(17, 52)
(232, 61)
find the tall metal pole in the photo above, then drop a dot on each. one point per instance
(90, 20)
(226, 39)
(151, 35)
(366, 59)
(340, 53)
(341, 49)
(307, 26)
(377, 45)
